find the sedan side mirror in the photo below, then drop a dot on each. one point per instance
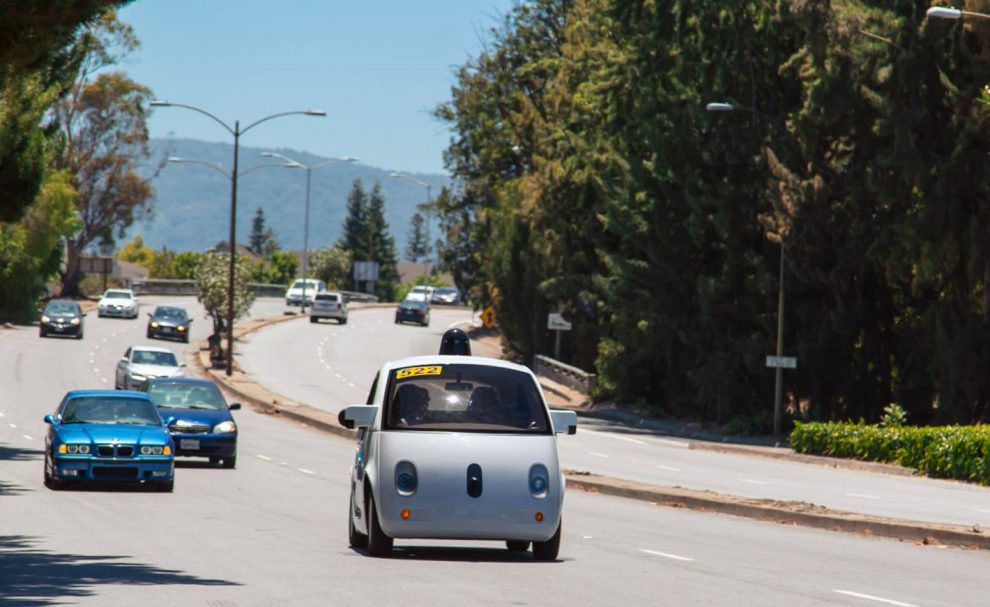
(49, 420)
(169, 420)
(123, 359)
(149, 314)
(234, 406)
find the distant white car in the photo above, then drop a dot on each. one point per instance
(118, 302)
(446, 296)
(310, 286)
(456, 447)
(329, 304)
(142, 363)
(421, 293)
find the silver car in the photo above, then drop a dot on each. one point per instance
(456, 447)
(118, 302)
(329, 304)
(142, 363)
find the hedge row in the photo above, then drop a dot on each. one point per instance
(959, 452)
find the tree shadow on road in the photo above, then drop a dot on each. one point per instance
(17, 454)
(32, 577)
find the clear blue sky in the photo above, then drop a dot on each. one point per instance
(378, 68)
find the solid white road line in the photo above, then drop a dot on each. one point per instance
(864, 496)
(671, 443)
(305, 471)
(671, 468)
(978, 509)
(14, 426)
(454, 324)
(2, 415)
(264, 457)
(878, 599)
(596, 454)
(27, 437)
(666, 555)
(615, 436)
(752, 481)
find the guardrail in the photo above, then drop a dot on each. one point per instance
(174, 286)
(565, 374)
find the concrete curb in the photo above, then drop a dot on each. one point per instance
(263, 401)
(786, 513)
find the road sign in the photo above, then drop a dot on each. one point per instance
(93, 264)
(366, 270)
(784, 362)
(556, 322)
(488, 317)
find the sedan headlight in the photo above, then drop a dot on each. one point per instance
(45, 319)
(75, 321)
(73, 449)
(181, 328)
(138, 376)
(227, 427)
(152, 450)
(154, 324)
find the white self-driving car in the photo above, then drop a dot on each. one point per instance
(456, 447)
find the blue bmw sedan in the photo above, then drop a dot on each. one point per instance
(201, 425)
(108, 435)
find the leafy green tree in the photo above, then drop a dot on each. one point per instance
(262, 240)
(417, 247)
(284, 266)
(184, 265)
(137, 252)
(212, 277)
(331, 265)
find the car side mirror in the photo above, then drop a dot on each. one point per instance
(123, 359)
(49, 420)
(149, 314)
(169, 420)
(564, 421)
(357, 416)
(182, 365)
(234, 406)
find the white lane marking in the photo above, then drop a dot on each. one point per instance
(454, 324)
(666, 555)
(751, 480)
(95, 370)
(264, 457)
(878, 599)
(671, 468)
(104, 380)
(616, 436)
(305, 471)
(27, 437)
(96, 347)
(14, 426)
(283, 463)
(596, 454)
(864, 496)
(978, 509)
(586, 537)
(2, 415)
(338, 376)
(104, 340)
(351, 385)
(672, 443)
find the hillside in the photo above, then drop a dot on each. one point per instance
(192, 202)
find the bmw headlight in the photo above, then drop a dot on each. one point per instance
(227, 427)
(152, 450)
(75, 449)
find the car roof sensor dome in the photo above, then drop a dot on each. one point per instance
(455, 342)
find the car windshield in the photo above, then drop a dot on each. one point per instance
(186, 396)
(60, 307)
(110, 410)
(117, 295)
(177, 313)
(464, 398)
(310, 284)
(152, 357)
(419, 290)
(446, 290)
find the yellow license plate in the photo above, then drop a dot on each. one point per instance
(418, 371)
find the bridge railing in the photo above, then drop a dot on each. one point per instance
(565, 374)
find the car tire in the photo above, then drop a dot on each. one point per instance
(51, 482)
(355, 538)
(42, 333)
(166, 486)
(230, 462)
(517, 545)
(314, 320)
(79, 335)
(379, 544)
(547, 551)
(185, 338)
(343, 321)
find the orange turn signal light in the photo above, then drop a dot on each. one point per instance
(539, 517)
(167, 450)
(405, 513)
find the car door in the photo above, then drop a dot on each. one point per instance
(122, 368)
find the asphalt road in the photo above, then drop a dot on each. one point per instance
(272, 532)
(329, 366)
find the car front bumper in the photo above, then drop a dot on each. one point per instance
(61, 329)
(162, 331)
(205, 445)
(470, 521)
(316, 313)
(120, 312)
(143, 468)
(409, 317)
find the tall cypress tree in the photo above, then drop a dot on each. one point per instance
(418, 247)
(355, 237)
(381, 245)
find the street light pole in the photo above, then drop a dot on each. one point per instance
(236, 132)
(295, 164)
(429, 197)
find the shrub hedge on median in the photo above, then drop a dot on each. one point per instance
(958, 452)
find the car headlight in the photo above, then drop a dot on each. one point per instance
(405, 478)
(154, 324)
(138, 376)
(45, 319)
(73, 449)
(153, 450)
(75, 321)
(181, 328)
(539, 481)
(227, 427)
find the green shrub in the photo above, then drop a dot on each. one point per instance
(959, 452)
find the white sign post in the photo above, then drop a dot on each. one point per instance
(556, 322)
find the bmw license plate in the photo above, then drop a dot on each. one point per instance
(189, 444)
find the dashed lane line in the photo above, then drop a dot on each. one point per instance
(878, 599)
(752, 481)
(597, 454)
(14, 426)
(671, 468)
(667, 555)
(264, 457)
(305, 471)
(865, 496)
(28, 437)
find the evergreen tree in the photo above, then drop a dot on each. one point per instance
(262, 240)
(417, 248)
(355, 236)
(381, 245)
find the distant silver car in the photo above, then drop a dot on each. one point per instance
(456, 447)
(449, 296)
(142, 363)
(329, 304)
(118, 302)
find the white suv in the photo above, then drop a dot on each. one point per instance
(118, 302)
(421, 293)
(294, 295)
(329, 304)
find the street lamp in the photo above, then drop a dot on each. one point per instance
(945, 12)
(779, 379)
(295, 164)
(429, 198)
(237, 131)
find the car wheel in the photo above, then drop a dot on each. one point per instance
(547, 551)
(314, 319)
(517, 545)
(185, 338)
(51, 482)
(230, 462)
(166, 486)
(79, 335)
(354, 537)
(42, 333)
(379, 544)
(343, 321)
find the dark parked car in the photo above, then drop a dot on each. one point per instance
(413, 311)
(169, 321)
(62, 317)
(200, 419)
